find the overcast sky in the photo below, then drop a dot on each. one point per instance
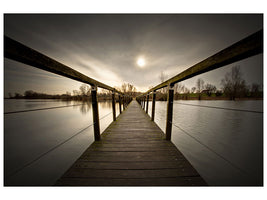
(107, 47)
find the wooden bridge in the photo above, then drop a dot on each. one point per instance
(133, 151)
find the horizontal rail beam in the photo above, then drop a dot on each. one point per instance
(21, 53)
(247, 47)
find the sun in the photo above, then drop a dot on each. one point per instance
(141, 62)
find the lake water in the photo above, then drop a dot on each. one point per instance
(28, 135)
(225, 146)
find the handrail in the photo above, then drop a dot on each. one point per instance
(21, 53)
(247, 47)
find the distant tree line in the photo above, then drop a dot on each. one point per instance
(83, 94)
(233, 86)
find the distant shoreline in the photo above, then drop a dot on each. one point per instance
(185, 99)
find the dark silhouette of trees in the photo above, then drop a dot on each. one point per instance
(210, 89)
(128, 89)
(193, 89)
(256, 90)
(200, 87)
(85, 90)
(233, 84)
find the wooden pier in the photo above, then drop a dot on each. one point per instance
(132, 152)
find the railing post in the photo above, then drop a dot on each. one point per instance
(123, 102)
(95, 113)
(153, 105)
(144, 102)
(113, 105)
(120, 103)
(147, 101)
(169, 112)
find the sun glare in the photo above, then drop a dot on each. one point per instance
(141, 62)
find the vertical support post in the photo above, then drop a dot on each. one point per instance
(169, 112)
(153, 105)
(120, 103)
(95, 113)
(123, 102)
(147, 101)
(113, 106)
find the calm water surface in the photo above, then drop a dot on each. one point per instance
(29, 135)
(225, 146)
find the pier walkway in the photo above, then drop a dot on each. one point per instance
(132, 152)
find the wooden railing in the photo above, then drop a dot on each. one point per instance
(247, 47)
(21, 53)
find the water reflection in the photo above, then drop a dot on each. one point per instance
(236, 136)
(31, 134)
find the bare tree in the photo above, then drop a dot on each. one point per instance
(233, 84)
(85, 90)
(76, 92)
(193, 89)
(200, 87)
(255, 90)
(131, 89)
(210, 89)
(124, 87)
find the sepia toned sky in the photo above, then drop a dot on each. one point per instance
(107, 47)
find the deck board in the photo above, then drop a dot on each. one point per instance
(132, 152)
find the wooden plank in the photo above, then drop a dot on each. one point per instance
(131, 165)
(128, 173)
(131, 154)
(174, 181)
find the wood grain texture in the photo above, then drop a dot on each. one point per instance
(132, 152)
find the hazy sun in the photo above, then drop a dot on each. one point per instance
(141, 62)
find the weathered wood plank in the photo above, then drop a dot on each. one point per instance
(132, 154)
(128, 173)
(174, 181)
(131, 165)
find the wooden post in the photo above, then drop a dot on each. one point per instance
(113, 106)
(120, 103)
(147, 101)
(169, 112)
(95, 113)
(153, 105)
(123, 102)
(144, 102)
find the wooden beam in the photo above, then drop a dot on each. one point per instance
(113, 106)
(249, 46)
(120, 103)
(169, 112)
(147, 102)
(21, 53)
(95, 113)
(153, 105)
